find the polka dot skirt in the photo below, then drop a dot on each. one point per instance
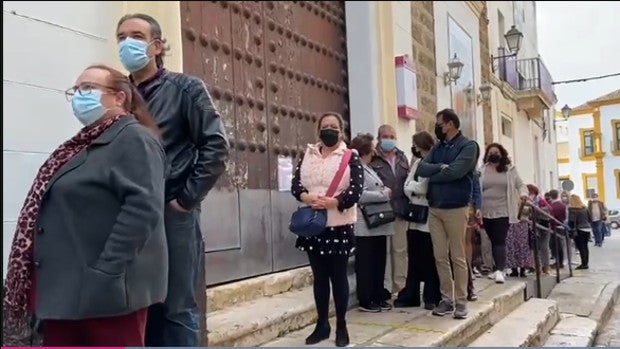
(334, 241)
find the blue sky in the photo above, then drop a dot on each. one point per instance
(579, 39)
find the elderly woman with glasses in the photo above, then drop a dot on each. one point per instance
(89, 252)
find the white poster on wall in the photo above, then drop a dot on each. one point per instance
(285, 172)
(463, 91)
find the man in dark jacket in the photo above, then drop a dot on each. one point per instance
(450, 169)
(196, 152)
(392, 166)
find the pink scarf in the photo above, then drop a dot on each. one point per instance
(17, 287)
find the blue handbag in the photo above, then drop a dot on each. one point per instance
(307, 221)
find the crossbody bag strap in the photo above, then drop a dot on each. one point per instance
(344, 163)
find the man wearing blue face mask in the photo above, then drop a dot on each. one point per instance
(196, 150)
(392, 166)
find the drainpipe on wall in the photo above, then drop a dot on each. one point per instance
(598, 155)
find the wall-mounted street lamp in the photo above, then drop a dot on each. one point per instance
(483, 97)
(566, 111)
(513, 39)
(455, 67)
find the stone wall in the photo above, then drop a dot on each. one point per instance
(485, 72)
(423, 32)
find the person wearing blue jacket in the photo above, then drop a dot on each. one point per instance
(450, 169)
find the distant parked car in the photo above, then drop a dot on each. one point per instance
(613, 219)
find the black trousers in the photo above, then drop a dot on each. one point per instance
(326, 268)
(370, 260)
(497, 230)
(581, 242)
(421, 267)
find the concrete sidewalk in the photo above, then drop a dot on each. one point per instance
(586, 301)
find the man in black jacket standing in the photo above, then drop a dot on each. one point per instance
(196, 148)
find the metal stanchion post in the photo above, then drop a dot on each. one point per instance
(569, 259)
(536, 256)
(558, 248)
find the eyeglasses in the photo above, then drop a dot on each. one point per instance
(84, 90)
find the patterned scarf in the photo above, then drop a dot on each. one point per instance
(17, 288)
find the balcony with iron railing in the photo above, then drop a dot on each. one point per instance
(530, 79)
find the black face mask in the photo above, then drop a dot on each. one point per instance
(416, 152)
(329, 137)
(439, 133)
(494, 158)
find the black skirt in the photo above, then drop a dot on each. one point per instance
(338, 240)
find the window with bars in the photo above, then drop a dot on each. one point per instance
(588, 143)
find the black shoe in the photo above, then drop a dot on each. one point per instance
(522, 273)
(472, 297)
(342, 336)
(385, 305)
(386, 295)
(320, 333)
(582, 267)
(401, 303)
(515, 273)
(429, 306)
(370, 308)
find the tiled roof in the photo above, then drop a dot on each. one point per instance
(608, 97)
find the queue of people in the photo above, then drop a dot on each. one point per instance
(108, 249)
(380, 196)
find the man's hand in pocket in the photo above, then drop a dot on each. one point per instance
(175, 205)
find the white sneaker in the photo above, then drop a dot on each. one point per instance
(499, 277)
(492, 275)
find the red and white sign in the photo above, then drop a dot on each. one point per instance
(406, 88)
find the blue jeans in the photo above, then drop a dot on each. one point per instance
(176, 322)
(598, 231)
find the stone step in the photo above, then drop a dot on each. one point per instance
(416, 327)
(258, 321)
(527, 326)
(572, 331)
(585, 303)
(224, 296)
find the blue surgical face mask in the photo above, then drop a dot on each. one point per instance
(133, 55)
(88, 108)
(387, 144)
